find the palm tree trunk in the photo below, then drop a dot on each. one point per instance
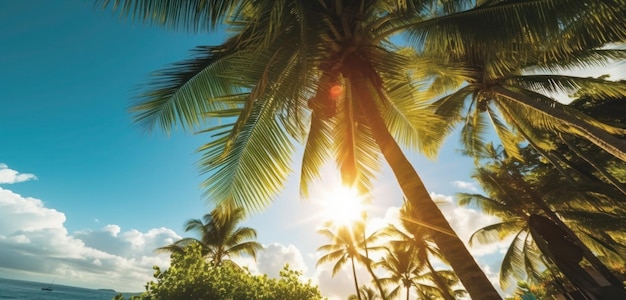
(461, 261)
(369, 269)
(601, 138)
(356, 283)
(408, 290)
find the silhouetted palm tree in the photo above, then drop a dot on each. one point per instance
(348, 243)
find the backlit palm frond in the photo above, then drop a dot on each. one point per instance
(249, 248)
(552, 84)
(317, 151)
(339, 264)
(412, 124)
(610, 250)
(496, 232)
(533, 260)
(181, 94)
(191, 15)
(474, 131)
(356, 151)
(547, 114)
(445, 79)
(513, 261)
(585, 59)
(487, 205)
(241, 234)
(541, 139)
(509, 139)
(600, 23)
(594, 219)
(257, 165)
(257, 152)
(472, 30)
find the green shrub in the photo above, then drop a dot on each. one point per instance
(191, 277)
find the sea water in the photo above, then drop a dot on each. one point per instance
(28, 290)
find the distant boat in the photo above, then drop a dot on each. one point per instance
(48, 288)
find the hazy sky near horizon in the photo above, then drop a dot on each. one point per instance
(86, 196)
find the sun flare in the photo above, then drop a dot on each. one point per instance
(342, 206)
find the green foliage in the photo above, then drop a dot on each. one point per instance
(190, 276)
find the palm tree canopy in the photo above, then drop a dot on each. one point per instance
(325, 74)
(285, 56)
(220, 237)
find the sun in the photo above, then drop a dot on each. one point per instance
(342, 206)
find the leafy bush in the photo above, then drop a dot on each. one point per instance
(191, 277)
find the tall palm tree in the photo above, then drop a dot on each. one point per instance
(220, 237)
(335, 57)
(510, 198)
(401, 267)
(347, 243)
(511, 86)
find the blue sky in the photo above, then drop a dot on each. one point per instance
(96, 194)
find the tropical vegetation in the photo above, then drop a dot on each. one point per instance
(330, 75)
(191, 276)
(220, 237)
(591, 209)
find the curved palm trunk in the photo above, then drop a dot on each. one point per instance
(461, 261)
(356, 283)
(599, 137)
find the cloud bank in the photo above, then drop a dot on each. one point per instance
(35, 245)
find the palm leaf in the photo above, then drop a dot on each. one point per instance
(495, 232)
(192, 15)
(513, 260)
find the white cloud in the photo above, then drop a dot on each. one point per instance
(272, 259)
(275, 256)
(34, 241)
(8, 176)
(464, 185)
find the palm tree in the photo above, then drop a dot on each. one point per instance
(335, 57)
(413, 238)
(401, 267)
(347, 244)
(512, 199)
(512, 86)
(220, 238)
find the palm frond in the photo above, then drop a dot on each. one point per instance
(547, 114)
(182, 94)
(495, 232)
(513, 261)
(510, 141)
(552, 84)
(191, 15)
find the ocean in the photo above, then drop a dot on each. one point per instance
(28, 290)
